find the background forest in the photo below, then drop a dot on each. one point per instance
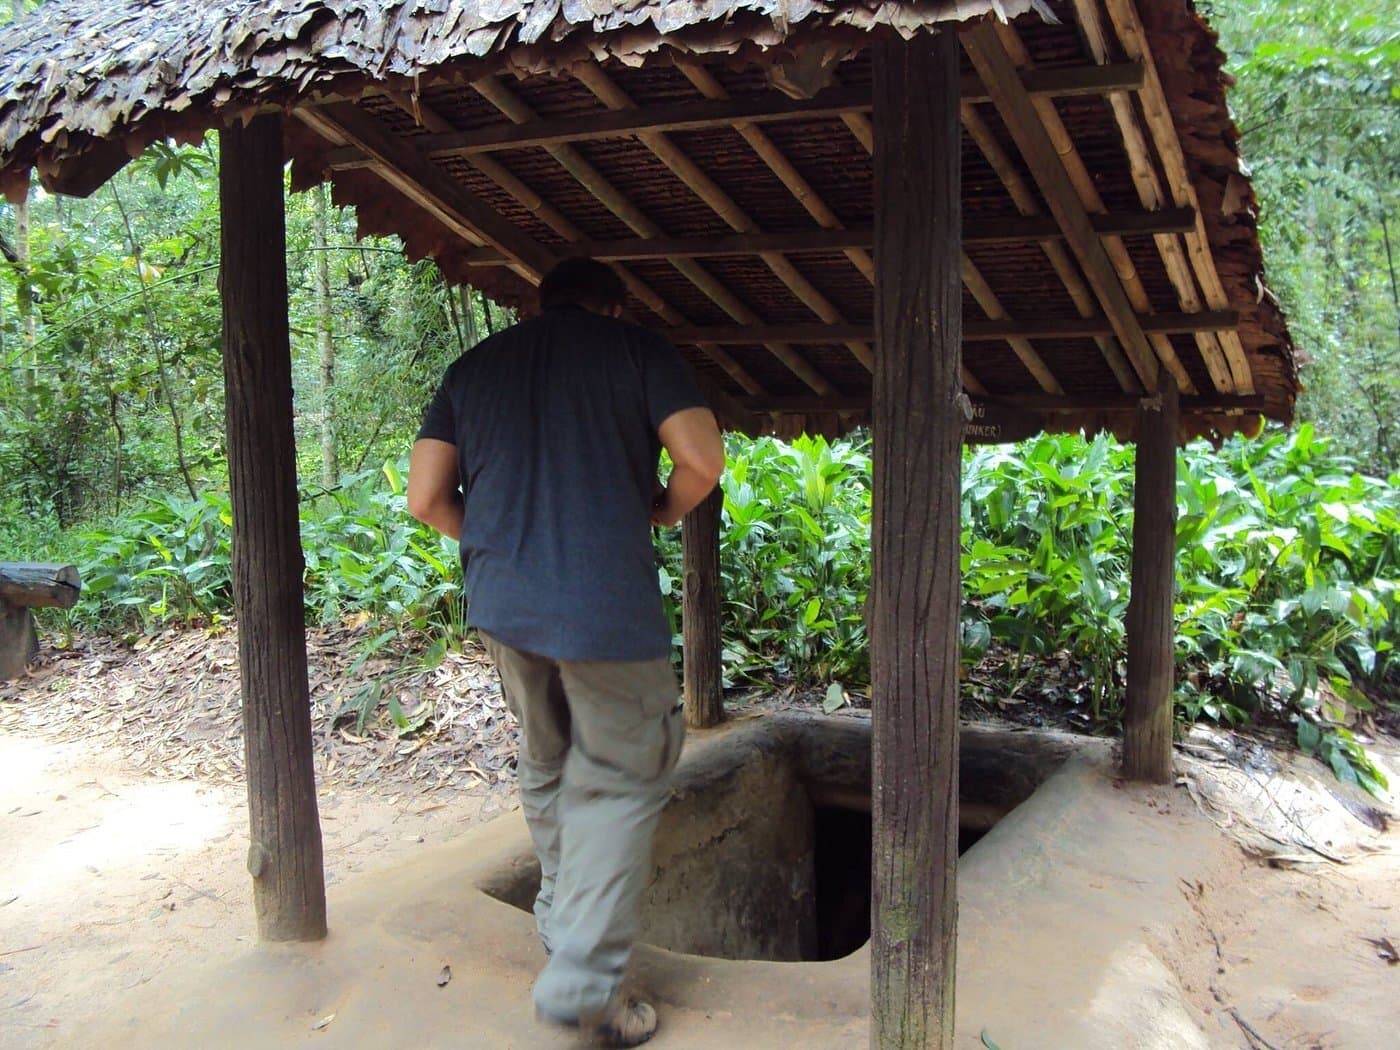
(111, 423)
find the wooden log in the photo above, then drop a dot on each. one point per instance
(31, 585)
(1147, 718)
(284, 855)
(704, 687)
(917, 421)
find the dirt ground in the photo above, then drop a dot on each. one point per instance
(112, 877)
(116, 876)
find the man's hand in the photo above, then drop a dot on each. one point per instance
(434, 489)
(692, 438)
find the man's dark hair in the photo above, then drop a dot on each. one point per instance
(582, 282)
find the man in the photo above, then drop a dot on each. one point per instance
(539, 454)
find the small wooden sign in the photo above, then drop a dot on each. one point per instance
(994, 424)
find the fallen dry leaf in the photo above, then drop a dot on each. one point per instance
(1385, 949)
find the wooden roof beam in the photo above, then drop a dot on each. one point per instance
(1149, 189)
(997, 330)
(1226, 403)
(1162, 129)
(560, 224)
(569, 158)
(1019, 114)
(778, 163)
(725, 112)
(980, 290)
(426, 185)
(675, 116)
(1017, 230)
(975, 283)
(1055, 253)
(704, 187)
(1088, 192)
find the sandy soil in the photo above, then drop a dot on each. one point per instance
(117, 874)
(111, 877)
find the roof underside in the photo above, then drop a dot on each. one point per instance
(657, 136)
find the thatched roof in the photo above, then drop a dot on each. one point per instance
(719, 152)
(85, 69)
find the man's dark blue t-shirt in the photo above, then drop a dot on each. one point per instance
(555, 422)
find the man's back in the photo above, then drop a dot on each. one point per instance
(555, 422)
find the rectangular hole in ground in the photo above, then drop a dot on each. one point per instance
(842, 864)
(767, 854)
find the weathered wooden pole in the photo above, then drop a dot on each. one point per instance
(1147, 718)
(918, 419)
(704, 688)
(284, 854)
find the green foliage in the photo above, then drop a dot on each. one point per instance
(365, 557)
(1286, 590)
(1318, 103)
(793, 558)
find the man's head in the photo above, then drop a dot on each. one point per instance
(583, 282)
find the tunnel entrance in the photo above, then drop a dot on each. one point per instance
(765, 852)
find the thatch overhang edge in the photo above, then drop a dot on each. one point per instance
(81, 72)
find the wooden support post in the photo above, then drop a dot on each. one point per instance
(917, 418)
(19, 641)
(704, 688)
(1147, 720)
(284, 854)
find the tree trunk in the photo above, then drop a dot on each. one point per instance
(1147, 717)
(325, 338)
(284, 856)
(704, 687)
(24, 288)
(917, 418)
(157, 346)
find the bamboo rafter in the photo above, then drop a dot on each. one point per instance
(1117, 251)
(704, 187)
(1028, 128)
(1133, 38)
(592, 180)
(561, 225)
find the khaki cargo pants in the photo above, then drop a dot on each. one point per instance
(600, 741)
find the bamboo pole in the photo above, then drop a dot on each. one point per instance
(1051, 168)
(864, 132)
(1055, 253)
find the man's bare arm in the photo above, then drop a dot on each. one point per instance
(692, 438)
(434, 492)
